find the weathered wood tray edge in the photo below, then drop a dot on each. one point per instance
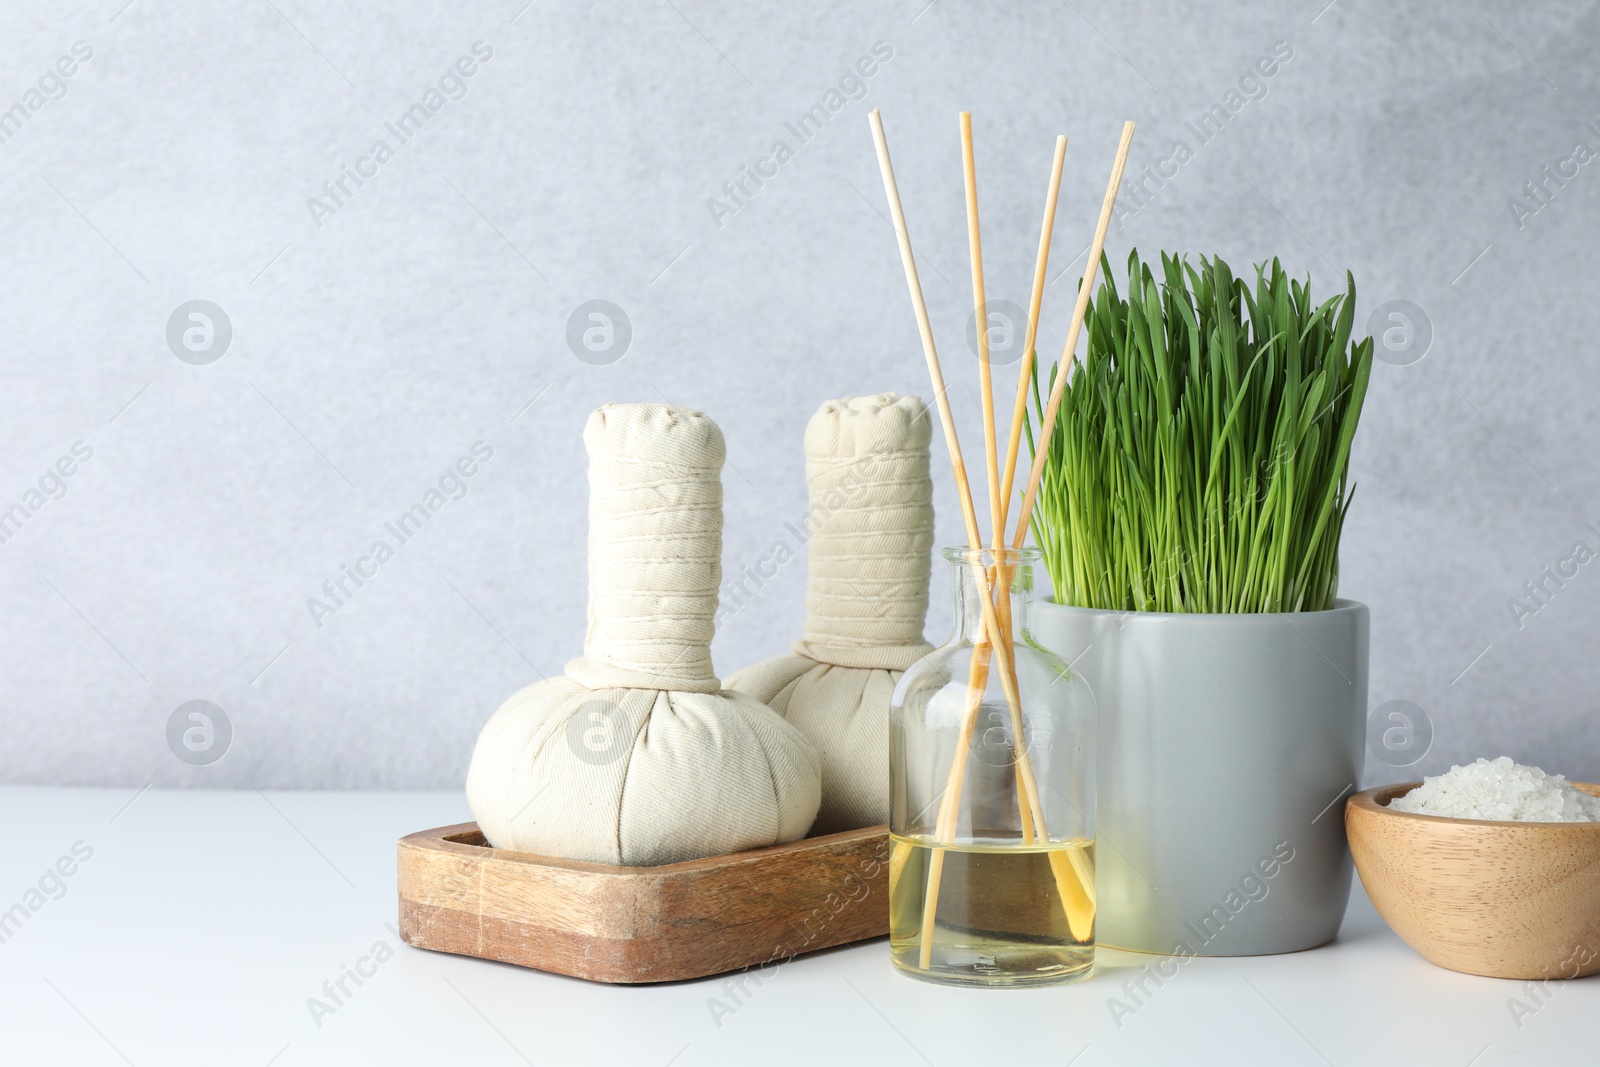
(641, 924)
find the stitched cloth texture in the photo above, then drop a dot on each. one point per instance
(636, 756)
(868, 560)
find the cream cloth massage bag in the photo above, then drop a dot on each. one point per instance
(635, 755)
(868, 559)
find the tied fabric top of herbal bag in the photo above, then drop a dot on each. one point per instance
(636, 755)
(871, 530)
(1200, 458)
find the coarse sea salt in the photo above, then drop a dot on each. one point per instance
(1500, 790)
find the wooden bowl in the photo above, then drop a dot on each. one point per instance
(1501, 899)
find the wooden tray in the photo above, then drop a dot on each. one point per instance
(641, 924)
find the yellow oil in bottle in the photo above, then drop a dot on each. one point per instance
(1007, 913)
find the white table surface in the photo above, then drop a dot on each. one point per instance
(204, 921)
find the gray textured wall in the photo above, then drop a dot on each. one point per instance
(375, 339)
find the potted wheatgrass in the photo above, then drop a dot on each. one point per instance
(1193, 492)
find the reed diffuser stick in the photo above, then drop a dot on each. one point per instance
(991, 626)
(1072, 870)
(1074, 877)
(1001, 641)
(1018, 414)
(1019, 410)
(1080, 910)
(980, 318)
(1069, 352)
(969, 517)
(924, 327)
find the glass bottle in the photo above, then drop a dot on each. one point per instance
(999, 832)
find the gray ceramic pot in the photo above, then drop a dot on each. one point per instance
(1226, 746)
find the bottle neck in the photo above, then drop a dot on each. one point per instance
(1014, 604)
